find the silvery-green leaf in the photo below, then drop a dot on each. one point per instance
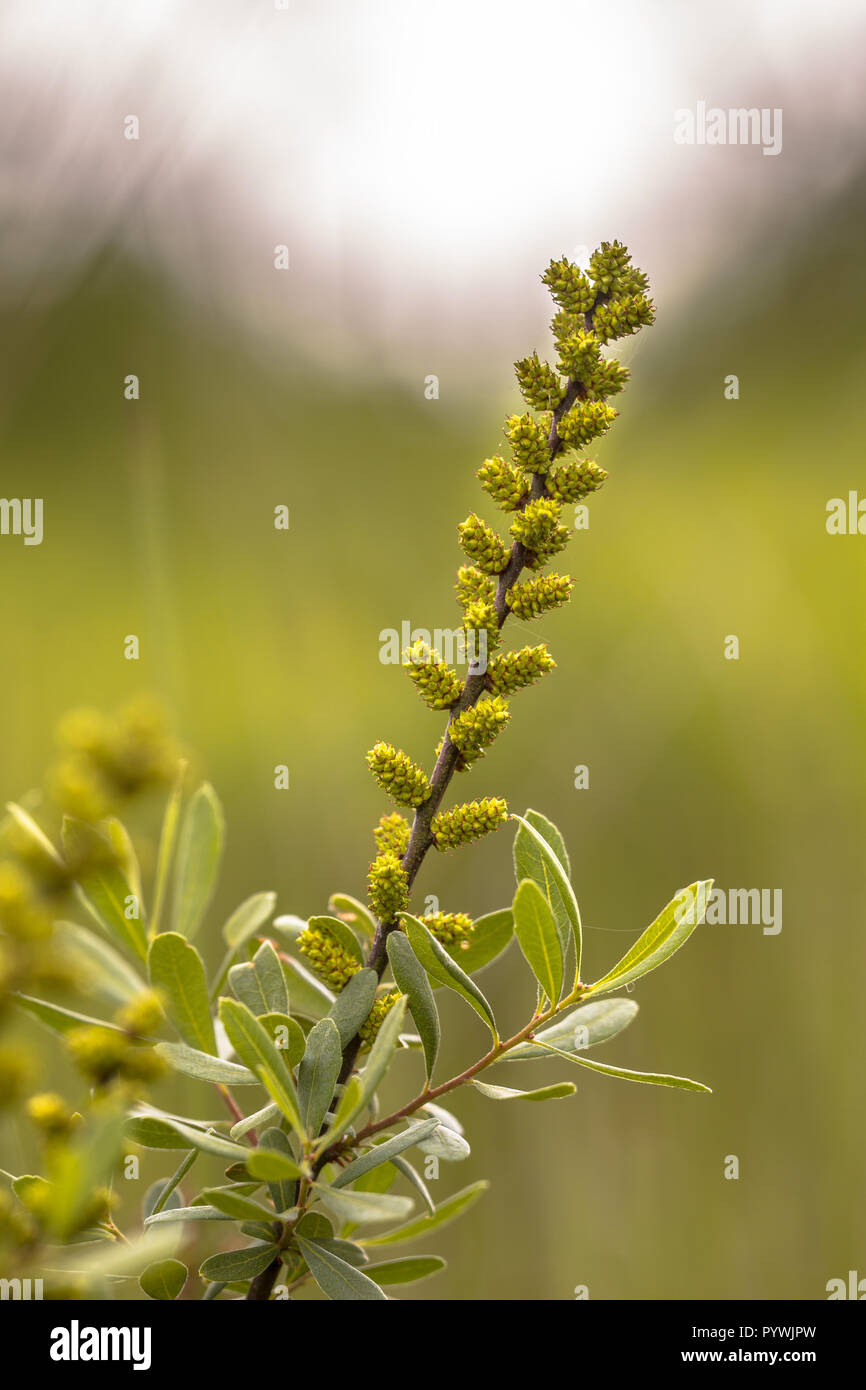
(411, 977)
(406, 1271)
(231, 1265)
(103, 888)
(190, 1062)
(422, 1225)
(342, 933)
(337, 1279)
(318, 1072)
(257, 1051)
(57, 1019)
(649, 1078)
(488, 939)
(352, 1005)
(260, 984)
(198, 856)
(287, 1036)
(268, 1112)
(439, 966)
(353, 912)
(236, 1204)
(362, 1208)
(308, 997)
(586, 1026)
(558, 1091)
(535, 859)
(446, 1144)
(382, 1153)
(104, 971)
(177, 971)
(535, 929)
(405, 1167)
(246, 920)
(200, 1213)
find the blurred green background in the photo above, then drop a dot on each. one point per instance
(264, 646)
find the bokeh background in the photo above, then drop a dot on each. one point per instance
(423, 164)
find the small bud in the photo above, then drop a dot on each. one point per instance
(50, 1113)
(392, 834)
(97, 1052)
(476, 728)
(538, 528)
(142, 1015)
(468, 822)
(529, 442)
(575, 480)
(398, 775)
(514, 670)
(436, 683)
(503, 482)
(482, 545)
(539, 595)
(388, 887)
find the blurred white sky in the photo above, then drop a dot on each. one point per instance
(422, 161)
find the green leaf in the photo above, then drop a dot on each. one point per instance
(488, 939)
(268, 1112)
(104, 891)
(190, 1062)
(449, 1209)
(260, 984)
(348, 1105)
(177, 971)
(35, 834)
(287, 1035)
(200, 1213)
(343, 1249)
(198, 857)
(586, 1026)
(163, 1280)
(649, 1078)
(362, 1208)
(352, 1005)
(152, 1133)
(101, 969)
(354, 912)
(337, 1279)
(308, 997)
(243, 1264)
(445, 1143)
(558, 1091)
(246, 920)
(236, 1204)
(257, 1051)
(342, 933)
(535, 859)
(57, 1019)
(318, 1072)
(205, 1140)
(670, 930)
(273, 1160)
(164, 1193)
(167, 838)
(535, 929)
(403, 1166)
(383, 1153)
(411, 978)
(405, 1271)
(439, 966)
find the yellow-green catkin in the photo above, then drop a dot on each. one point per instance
(50, 1113)
(476, 728)
(328, 957)
(451, 928)
(575, 480)
(569, 287)
(503, 482)
(382, 1006)
(474, 586)
(438, 685)
(538, 528)
(529, 438)
(468, 822)
(479, 616)
(397, 775)
(539, 595)
(392, 834)
(539, 384)
(584, 422)
(514, 670)
(388, 887)
(482, 546)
